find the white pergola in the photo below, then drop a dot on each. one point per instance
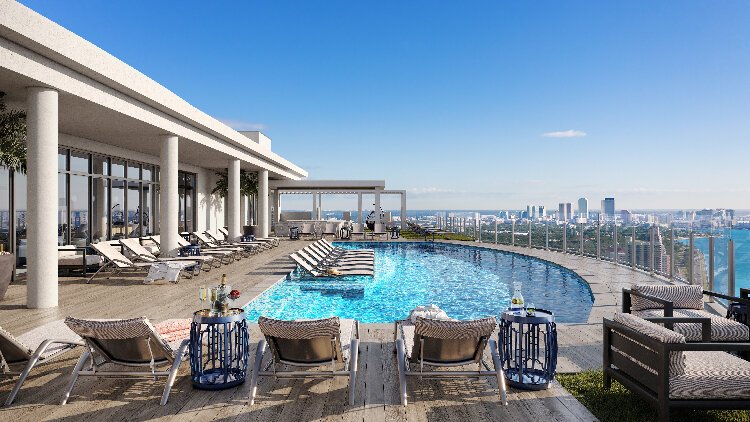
(317, 188)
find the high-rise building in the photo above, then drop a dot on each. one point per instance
(626, 216)
(542, 211)
(529, 211)
(564, 212)
(583, 207)
(608, 209)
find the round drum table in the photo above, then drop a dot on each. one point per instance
(529, 348)
(218, 349)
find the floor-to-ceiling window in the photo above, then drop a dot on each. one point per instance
(187, 201)
(5, 210)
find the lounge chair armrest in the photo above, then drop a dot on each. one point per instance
(626, 301)
(709, 347)
(740, 299)
(704, 321)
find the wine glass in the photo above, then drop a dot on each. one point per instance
(202, 295)
(214, 297)
(530, 309)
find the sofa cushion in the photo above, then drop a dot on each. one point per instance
(682, 296)
(722, 329)
(656, 332)
(711, 375)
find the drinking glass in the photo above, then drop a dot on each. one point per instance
(530, 309)
(202, 295)
(214, 297)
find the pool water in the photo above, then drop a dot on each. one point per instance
(467, 282)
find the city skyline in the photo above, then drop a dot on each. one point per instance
(550, 103)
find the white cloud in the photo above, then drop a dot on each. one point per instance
(565, 134)
(242, 125)
(429, 190)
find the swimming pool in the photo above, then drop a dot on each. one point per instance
(467, 282)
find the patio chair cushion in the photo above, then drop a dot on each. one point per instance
(120, 329)
(711, 375)
(682, 296)
(444, 329)
(722, 329)
(56, 330)
(310, 329)
(658, 333)
(12, 348)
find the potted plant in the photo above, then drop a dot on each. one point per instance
(12, 157)
(248, 187)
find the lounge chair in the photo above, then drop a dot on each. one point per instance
(220, 240)
(358, 229)
(379, 230)
(274, 241)
(441, 344)
(308, 344)
(37, 346)
(74, 258)
(650, 300)
(328, 272)
(308, 229)
(114, 258)
(223, 257)
(334, 265)
(128, 343)
(211, 245)
(659, 365)
(133, 245)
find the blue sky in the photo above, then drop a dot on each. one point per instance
(645, 101)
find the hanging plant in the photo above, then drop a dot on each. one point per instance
(248, 184)
(12, 138)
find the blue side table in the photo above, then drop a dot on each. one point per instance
(191, 250)
(219, 347)
(528, 348)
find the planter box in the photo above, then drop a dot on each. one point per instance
(7, 268)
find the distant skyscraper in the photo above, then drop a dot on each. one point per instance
(542, 211)
(626, 216)
(608, 209)
(564, 211)
(529, 211)
(583, 208)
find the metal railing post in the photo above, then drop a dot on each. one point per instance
(580, 227)
(691, 244)
(479, 222)
(671, 253)
(614, 241)
(598, 240)
(651, 260)
(711, 266)
(632, 250)
(546, 236)
(730, 267)
(529, 234)
(565, 237)
(496, 230)
(512, 232)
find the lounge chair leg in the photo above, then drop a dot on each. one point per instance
(74, 376)
(25, 373)
(97, 272)
(256, 370)
(353, 355)
(499, 371)
(401, 359)
(173, 371)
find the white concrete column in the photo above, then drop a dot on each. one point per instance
(41, 191)
(277, 206)
(233, 200)
(169, 195)
(263, 219)
(359, 208)
(403, 210)
(243, 211)
(377, 207)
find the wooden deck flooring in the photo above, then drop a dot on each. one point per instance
(377, 387)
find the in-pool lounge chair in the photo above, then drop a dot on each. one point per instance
(443, 343)
(326, 272)
(650, 300)
(139, 253)
(379, 230)
(337, 251)
(37, 346)
(328, 258)
(659, 365)
(308, 344)
(337, 266)
(273, 241)
(134, 345)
